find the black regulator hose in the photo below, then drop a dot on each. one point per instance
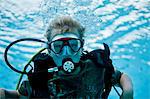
(11, 44)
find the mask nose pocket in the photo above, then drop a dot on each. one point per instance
(66, 51)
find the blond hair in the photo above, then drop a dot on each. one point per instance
(64, 24)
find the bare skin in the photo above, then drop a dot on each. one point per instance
(5, 94)
(127, 87)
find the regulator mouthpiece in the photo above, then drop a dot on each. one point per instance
(68, 66)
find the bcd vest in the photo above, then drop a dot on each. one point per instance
(38, 80)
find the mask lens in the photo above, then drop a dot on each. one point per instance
(56, 46)
(75, 44)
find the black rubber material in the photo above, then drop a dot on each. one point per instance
(11, 44)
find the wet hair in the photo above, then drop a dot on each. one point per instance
(62, 25)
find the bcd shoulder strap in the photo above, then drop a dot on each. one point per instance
(39, 78)
(101, 58)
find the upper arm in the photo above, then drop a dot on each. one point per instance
(127, 87)
(126, 82)
(122, 79)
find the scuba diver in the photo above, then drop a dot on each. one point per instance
(67, 71)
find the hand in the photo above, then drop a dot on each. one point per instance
(7, 94)
(2, 94)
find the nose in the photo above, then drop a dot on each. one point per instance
(66, 51)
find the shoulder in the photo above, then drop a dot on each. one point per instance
(41, 57)
(90, 65)
(42, 61)
(116, 76)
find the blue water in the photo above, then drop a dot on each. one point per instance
(123, 24)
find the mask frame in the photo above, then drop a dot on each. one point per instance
(65, 42)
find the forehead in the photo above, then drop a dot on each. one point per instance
(66, 35)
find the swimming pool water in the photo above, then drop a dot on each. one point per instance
(123, 24)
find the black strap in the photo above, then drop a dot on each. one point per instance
(109, 71)
(101, 58)
(39, 78)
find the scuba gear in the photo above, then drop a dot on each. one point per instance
(28, 64)
(68, 66)
(42, 62)
(66, 51)
(57, 45)
(9, 46)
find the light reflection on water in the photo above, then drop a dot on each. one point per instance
(123, 25)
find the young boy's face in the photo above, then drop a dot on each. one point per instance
(64, 47)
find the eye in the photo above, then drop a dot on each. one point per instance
(75, 44)
(56, 46)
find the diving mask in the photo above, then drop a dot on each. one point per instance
(57, 45)
(66, 51)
